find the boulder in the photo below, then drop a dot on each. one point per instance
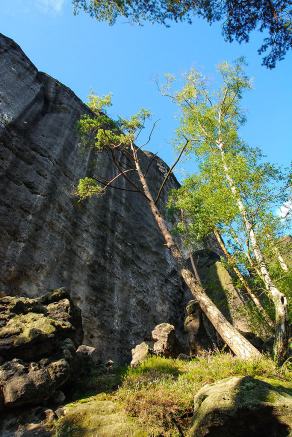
(140, 353)
(31, 383)
(38, 341)
(34, 328)
(33, 422)
(242, 406)
(165, 344)
(165, 340)
(88, 354)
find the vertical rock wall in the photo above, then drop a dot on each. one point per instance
(108, 252)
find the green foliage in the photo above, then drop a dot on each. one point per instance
(209, 117)
(240, 18)
(210, 121)
(134, 123)
(100, 132)
(230, 173)
(207, 201)
(98, 104)
(88, 187)
(271, 243)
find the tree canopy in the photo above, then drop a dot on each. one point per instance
(234, 192)
(239, 18)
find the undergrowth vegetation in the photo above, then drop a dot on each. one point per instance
(158, 395)
(160, 391)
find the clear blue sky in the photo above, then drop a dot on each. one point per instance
(126, 60)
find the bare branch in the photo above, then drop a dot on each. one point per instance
(117, 176)
(170, 171)
(105, 184)
(149, 137)
(125, 176)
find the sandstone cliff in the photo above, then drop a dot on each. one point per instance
(107, 251)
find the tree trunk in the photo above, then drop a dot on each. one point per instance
(278, 298)
(246, 254)
(281, 260)
(249, 291)
(237, 343)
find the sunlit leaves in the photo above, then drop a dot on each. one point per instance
(99, 104)
(88, 187)
(100, 132)
(134, 123)
(205, 201)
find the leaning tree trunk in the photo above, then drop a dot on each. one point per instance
(243, 281)
(237, 343)
(278, 298)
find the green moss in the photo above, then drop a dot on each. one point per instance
(97, 416)
(27, 327)
(162, 391)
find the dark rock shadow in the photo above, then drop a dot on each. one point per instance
(254, 415)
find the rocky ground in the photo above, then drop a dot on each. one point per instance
(53, 385)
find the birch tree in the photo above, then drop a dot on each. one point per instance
(210, 122)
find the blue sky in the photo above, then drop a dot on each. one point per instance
(126, 60)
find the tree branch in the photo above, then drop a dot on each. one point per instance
(170, 171)
(126, 177)
(121, 171)
(113, 186)
(149, 137)
(117, 176)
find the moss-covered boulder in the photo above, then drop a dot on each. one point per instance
(97, 416)
(38, 342)
(242, 406)
(31, 329)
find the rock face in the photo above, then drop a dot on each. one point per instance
(38, 341)
(87, 355)
(108, 252)
(218, 281)
(25, 384)
(240, 407)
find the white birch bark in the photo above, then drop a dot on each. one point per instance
(278, 298)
